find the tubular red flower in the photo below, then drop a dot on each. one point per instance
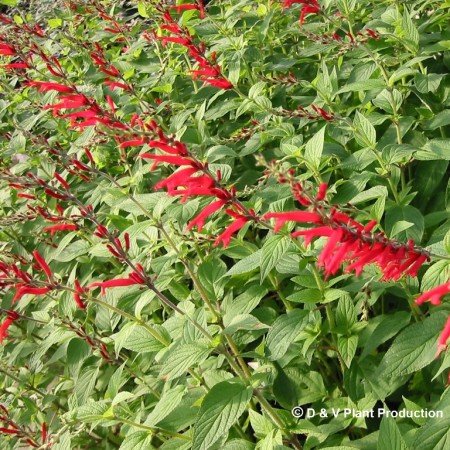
(118, 282)
(443, 338)
(3, 329)
(45, 86)
(177, 160)
(132, 143)
(434, 295)
(296, 216)
(199, 221)
(225, 237)
(44, 266)
(29, 290)
(77, 295)
(60, 227)
(322, 191)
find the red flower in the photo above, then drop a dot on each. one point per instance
(171, 159)
(199, 221)
(23, 290)
(44, 266)
(322, 191)
(60, 227)
(5, 325)
(45, 86)
(77, 295)
(134, 278)
(443, 338)
(225, 237)
(434, 295)
(296, 216)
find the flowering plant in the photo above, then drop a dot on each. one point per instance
(217, 217)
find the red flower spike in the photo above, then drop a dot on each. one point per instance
(44, 266)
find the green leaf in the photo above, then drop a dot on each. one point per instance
(220, 410)
(347, 346)
(387, 328)
(314, 148)
(428, 83)
(247, 264)
(210, 274)
(140, 440)
(365, 133)
(345, 314)
(435, 434)
(390, 436)
(272, 251)
(136, 338)
(142, 10)
(410, 31)
(367, 85)
(414, 348)
(180, 358)
(437, 274)
(9, 2)
(284, 331)
(166, 404)
(405, 214)
(244, 322)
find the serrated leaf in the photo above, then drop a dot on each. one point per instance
(272, 251)
(166, 404)
(345, 314)
(314, 148)
(414, 348)
(139, 440)
(284, 331)
(347, 346)
(244, 322)
(390, 436)
(437, 274)
(435, 434)
(221, 408)
(365, 133)
(388, 327)
(178, 360)
(247, 264)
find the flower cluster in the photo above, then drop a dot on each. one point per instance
(309, 7)
(210, 72)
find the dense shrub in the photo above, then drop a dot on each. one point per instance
(225, 225)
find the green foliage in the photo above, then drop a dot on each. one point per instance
(218, 342)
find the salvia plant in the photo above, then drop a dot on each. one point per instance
(225, 225)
